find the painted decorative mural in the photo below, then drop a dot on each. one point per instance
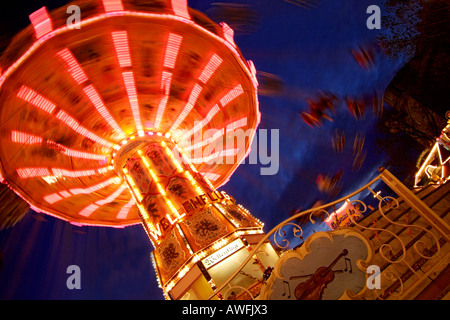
(170, 254)
(328, 266)
(205, 227)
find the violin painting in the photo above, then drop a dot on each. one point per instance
(313, 288)
(328, 266)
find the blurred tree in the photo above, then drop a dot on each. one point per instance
(417, 97)
(396, 141)
(399, 28)
(407, 25)
(407, 116)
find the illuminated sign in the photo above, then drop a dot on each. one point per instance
(223, 253)
(203, 199)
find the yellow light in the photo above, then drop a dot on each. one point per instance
(134, 188)
(160, 189)
(146, 163)
(184, 240)
(186, 160)
(422, 168)
(158, 185)
(193, 182)
(209, 183)
(142, 210)
(172, 157)
(172, 207)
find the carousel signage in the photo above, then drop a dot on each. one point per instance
(203, 199)
(223, 253)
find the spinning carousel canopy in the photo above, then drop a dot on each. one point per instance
(74, 94)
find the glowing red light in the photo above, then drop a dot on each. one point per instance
(31, 96)
(253, 72)
(54, 197)
(228, 33)
(94, 188)
(173, 46)
(113, 196)
(215, 155)
(165, 86)
(204, 141)
(32, 172)
(81, 154)
(120, 39)
(75, 125)
(73, 67)
(41, 22)
(210, 68)
(86, 212)
(231, 95)
(130, 86)
(188, 107)
(73, 174)
(112, 5)
(180, 8)
(65, 194)
(123, 213)
(210, 176)
(237, 124)
(214, 110)
(99, 105)
(25, 138)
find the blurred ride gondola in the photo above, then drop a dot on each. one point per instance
(338, 141)
(356, 107)
(319, 109)
(364, 56)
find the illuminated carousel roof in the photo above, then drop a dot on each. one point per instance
(72, 94)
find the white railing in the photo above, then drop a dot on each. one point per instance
(405, 232)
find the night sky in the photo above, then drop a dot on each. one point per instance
(309, 49)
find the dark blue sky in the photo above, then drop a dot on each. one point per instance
(309, 50)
